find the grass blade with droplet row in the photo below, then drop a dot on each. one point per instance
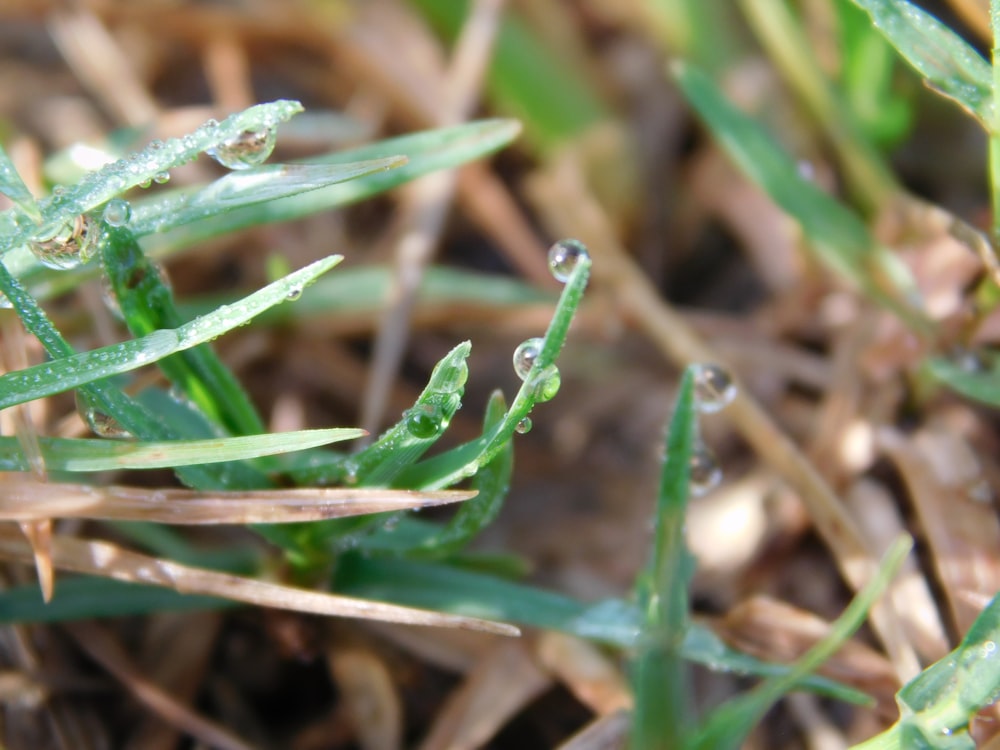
(71, 372)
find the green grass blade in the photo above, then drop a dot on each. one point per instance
(14, 188)
(100, 186)
(82, 597)
(838, 236)
(70, 372)
(942, 57)
(937, 705)
(729, 724)
(662, 711)
(147, 304)
(981, 385)
(66, 454)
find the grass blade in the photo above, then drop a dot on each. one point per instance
(14, 188)
(942, 57)
(70, 372)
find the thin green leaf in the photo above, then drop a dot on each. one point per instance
(100, 186)
(980, 384)
(838, 236)
(85, 596)
(67, 454)
(941, 56)
(662, 711)
(64, 374)
(14, 188)
(729, 724)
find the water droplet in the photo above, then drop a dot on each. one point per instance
(350, 472)
(248, 149)
(453, 378)
(705, 473)
(155, 144)
(563, 257)
(102, 424)
(293, 293)
(424, 421)
(117, 212)
(714, 388)
(524, 426)
(66, 247)
(145, 184)
(525, 356)
(161, 177)
(546, 384)
(4, 302)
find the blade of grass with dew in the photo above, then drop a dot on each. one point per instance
(108, 560)
(465, 460)
(426, 152)
(147, 305)
(527, 79)
(662, 712)
(614, 622)
(100, 186)
(432, 541)
(840, 239)
(397, 448)
(938, 704)
(79, 455)
(24, 498)
(14, 188)
(947, 62)
(729, 724)
(981, 385)
(85, 596)
(59, 375)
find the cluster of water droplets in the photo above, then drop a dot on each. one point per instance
(714, 390)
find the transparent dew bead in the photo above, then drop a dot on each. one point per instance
(524, 426)
(248, 149)
(293, 293)
(546, 384)
(161, 178)
(4, 302)
(714, 388)
(65, 248)
(563, 257)
(525, 355)
(424, 421)
(103, 425)
(117, 212)
(705, 473)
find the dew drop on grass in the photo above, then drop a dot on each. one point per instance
(525, 356)
(424, 421)
(524, 426)
(705, 473)
(563, 257)
(453, 379)
(714, 388)
(248, 149)
(293, 293)
(546, 384)
(102, 424)
(161, 178)
(117, 213)
(67, 246)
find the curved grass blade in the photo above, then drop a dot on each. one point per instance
(942, 57)
(70, 372)
(839, 237)
(147, 304)
(23, 498)
(465, 460)
(100, 186)
(613, 622)
(729, 724)
(67, 454)
(108, 560)
(14, 188)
